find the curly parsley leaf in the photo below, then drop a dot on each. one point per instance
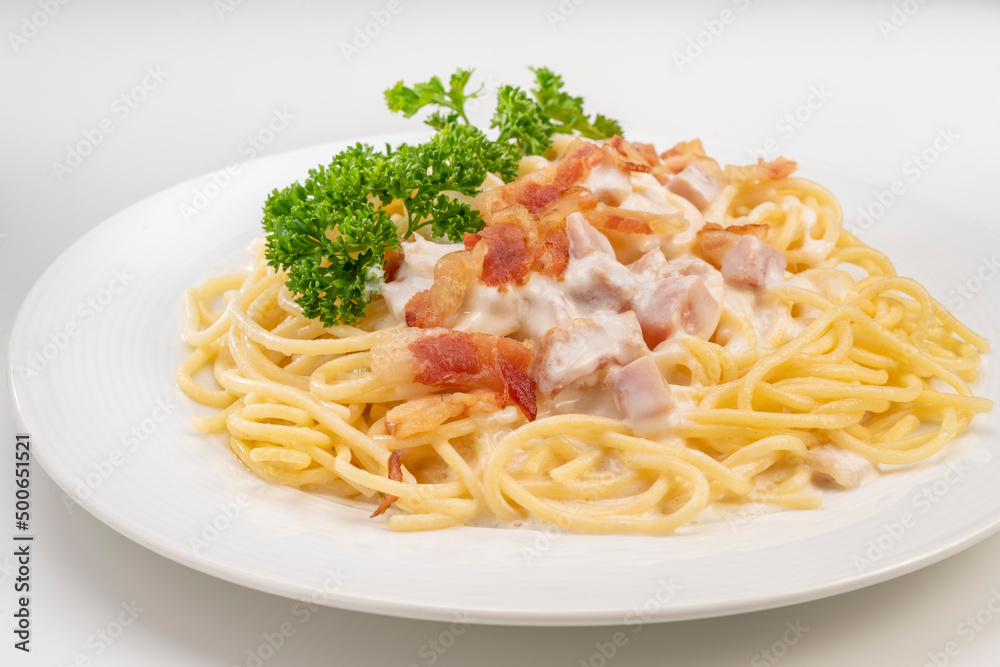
(528, 124)
(565, 111)
(411, 100)
(329, 237)
(521, 122)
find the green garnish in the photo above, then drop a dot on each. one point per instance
(411, 100)
(332, 232)
(566, 111)
(521, 122)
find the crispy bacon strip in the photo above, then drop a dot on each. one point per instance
(716, 241)
(627, 221)
(540, 188)
(396, 474)
(519, 243)
(453, 275)
(508, 256)
(526, 219)
(441, 357)
(428, 412)
(571, 201)
(685, 153)
(648, 153)
(623, 155)
(553, 237)
(775, 170)
(520, 387)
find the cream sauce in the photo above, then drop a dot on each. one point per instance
(600, 289)
(416, 272)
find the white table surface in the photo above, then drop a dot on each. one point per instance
(884, 79)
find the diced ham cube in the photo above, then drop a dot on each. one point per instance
(582, 347)
(696, 185)
(753, 263)
(677, 304)
(650, 266)
(846, 468)
(640, 393)
(599, 282)
(584, 238)
(716, 241)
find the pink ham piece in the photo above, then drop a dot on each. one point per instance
(584, 346)
(696, 185)
(677, 304)
(584, 238)
(640, 393)
(651, 266)
(599, 282)
(753, 263)
(716, 241)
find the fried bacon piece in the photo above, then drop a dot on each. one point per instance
(626, 221)
(540, 188)
(441, 357)
(685, 153)
(624, 155)
(526, 219)
(716, 241)
(775, 170)
(648, 153)
(395, 474)
(453, 274)
(553, 237)
(518, 385)
(518, 243)
(512, 242)
(428, 412)
(573, 200)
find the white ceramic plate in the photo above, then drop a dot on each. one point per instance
(95, 348)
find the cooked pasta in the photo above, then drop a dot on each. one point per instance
(682, 336)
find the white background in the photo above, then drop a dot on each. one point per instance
(884, 80)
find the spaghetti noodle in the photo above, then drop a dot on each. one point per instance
(700, 340)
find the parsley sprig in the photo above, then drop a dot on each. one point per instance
(410, 100)
(566, 111)
(331, 233)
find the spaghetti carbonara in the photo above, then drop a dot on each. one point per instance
(631, 338)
